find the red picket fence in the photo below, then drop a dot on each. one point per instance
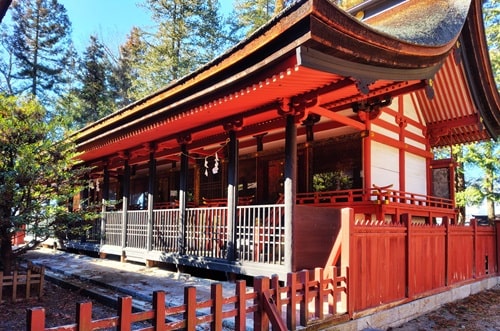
(269, 304)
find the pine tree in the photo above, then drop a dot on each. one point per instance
(40, 44)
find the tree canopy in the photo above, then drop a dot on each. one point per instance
(38, 176)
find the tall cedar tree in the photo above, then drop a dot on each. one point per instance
(492, 22)
(37, 177)
(189, 34)
(125, 79)
(249, 15)
(93, 93)
(40, 43)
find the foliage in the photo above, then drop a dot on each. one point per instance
(38, 176)
(249, 15)
(481, 163)
(92, 98)
(492, 23)
(332, 180)
(40, 46)
(189, 34)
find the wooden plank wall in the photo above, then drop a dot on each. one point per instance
(315, 230)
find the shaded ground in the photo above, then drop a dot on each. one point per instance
(59, 304)
(477, 312)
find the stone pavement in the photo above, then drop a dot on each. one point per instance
(105, 280)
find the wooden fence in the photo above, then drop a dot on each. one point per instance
(391, 262)
(31, 282)
(308, 297)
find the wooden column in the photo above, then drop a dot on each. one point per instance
(290, 187)
(151, 191)
(183, 180)
(232, 195)
(105, 198)
(125, 198)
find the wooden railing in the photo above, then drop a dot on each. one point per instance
(165, 230)
(376, 195)
(259, 232)
(31, 282)
(308, 295)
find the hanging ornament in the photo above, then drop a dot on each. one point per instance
(215, 169)
(206, 167)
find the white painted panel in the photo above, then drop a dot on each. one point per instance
(413, 129)
(414, 143)
(409, 108)
(388, 133)
(385, 165)
(416, 174)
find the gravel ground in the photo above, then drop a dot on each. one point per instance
(478, 312)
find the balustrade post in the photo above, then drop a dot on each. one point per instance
(290, 187)
(183, 181)
(151, 190)
(125, 201)
(232, 196)
(105, 199)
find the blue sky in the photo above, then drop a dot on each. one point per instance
(110, 20)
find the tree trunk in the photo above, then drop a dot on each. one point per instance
(6, 256)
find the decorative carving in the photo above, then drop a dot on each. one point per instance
(185, 139)
(363, 85)
(429, 89)
(370, 109)
(309, 123)
(401, 121)
(233, 125)
(297, 108)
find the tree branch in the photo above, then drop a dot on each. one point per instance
(4, 5)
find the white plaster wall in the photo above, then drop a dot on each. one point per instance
(416, 174)
(385, 165)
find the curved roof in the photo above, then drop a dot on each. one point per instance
(312, 52)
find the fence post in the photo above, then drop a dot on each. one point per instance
(347, 258)
(1, 286)
(14, 285)
(42, 280)
(304, 303)
(125, 313)
(475, 269)
(320, 296)
(291, 319)
(190, 303)
(497, 234)
(240, 305)
(447, 272)
(84, 316)
(216, 309)
(410, 270)
(159, 310)
(275, 285)
(261, 320)
(28, 283)
(35, 319)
